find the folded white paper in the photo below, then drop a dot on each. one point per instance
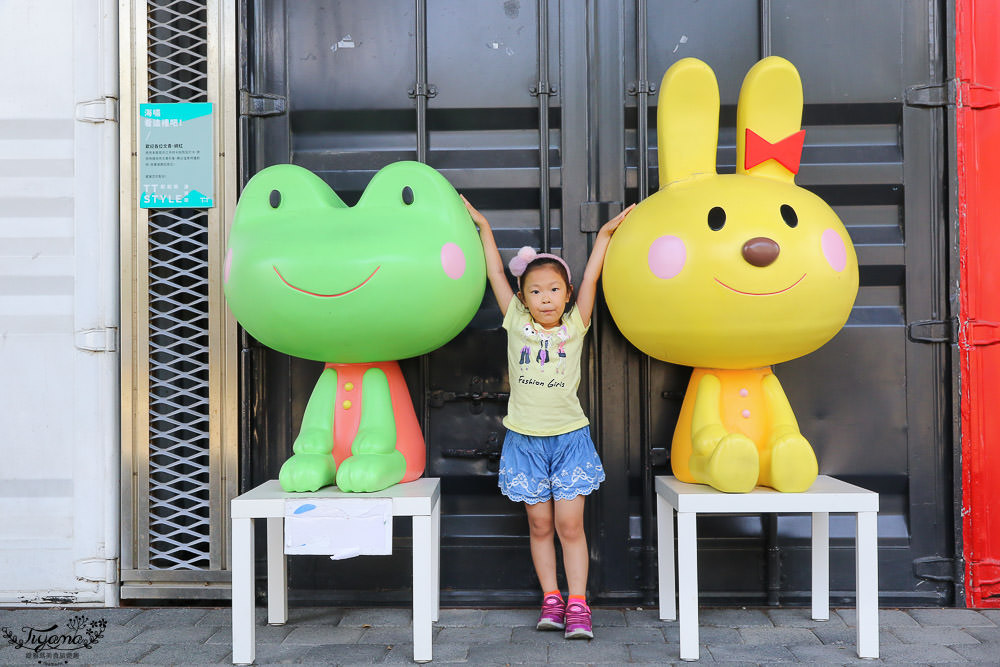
(339, 527)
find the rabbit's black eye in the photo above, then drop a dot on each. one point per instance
(716, 218)
(407, 195)
(788, 215)
(274, 199)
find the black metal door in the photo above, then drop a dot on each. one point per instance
(537, 111)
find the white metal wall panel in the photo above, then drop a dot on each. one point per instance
(58, 302)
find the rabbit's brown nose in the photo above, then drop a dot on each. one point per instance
(760, 251)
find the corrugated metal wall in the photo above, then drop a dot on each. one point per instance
(542, 114)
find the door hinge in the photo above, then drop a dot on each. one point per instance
(945, 331)
(427, 90)
(934, 568)
(953, 92)
(979, 333)
(542, 88)
(261, 104)
(97, 340)
(103, 109)
(97, 570)
(593, 214)
(641, 88)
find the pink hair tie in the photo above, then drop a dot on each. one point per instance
(527, 255)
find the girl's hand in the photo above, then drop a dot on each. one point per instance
(477, 217)
(611, 225)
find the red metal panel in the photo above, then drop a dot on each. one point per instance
(977, 67)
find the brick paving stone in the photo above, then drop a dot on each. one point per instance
(754, 654)
(169, 635)
(536, 637)
(443, 654)
(800, 617)
(754, 636)
(263, 634)
(985, 635)
(188, 654)
(516, 653)
(706, 635)
(377, 617)
(168, 617)
(626, 635)
(511, 617)
(934, 635)
(849, 636)
(978, 652)
(36, 618)
(887, 618)
(482, 635)
(346, 654)
(603, 618)
(390, 635)
(108, 653)
(276, 653)
(225, 616)
(317, 635)
(644, 618)
(732, 618)
(962, 618)
(460, 617)
(926, 654)
(119, 634)
(828, 655)
(992, 614)
(587, 652)
(310, 615)
(653, 654)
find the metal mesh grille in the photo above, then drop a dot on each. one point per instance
(179, 522)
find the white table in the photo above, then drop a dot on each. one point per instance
(419, 499)
(826, 495)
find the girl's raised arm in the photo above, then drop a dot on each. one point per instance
(494, 265)
(588, 284)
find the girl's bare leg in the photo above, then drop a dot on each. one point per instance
(576, 558)
(543, 548)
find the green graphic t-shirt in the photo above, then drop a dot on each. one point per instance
(544, 369)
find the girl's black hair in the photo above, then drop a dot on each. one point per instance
(548, 261)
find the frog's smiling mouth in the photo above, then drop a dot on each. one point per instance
(733, 289)
(304, 291)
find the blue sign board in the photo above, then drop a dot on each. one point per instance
(176, 156)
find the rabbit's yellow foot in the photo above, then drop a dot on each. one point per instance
(793, 464)
(732, 467)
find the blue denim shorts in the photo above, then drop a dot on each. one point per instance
(536, 468)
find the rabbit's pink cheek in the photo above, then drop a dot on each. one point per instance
(667, 256)
(834, 250)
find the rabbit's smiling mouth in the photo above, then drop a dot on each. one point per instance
(733, 289)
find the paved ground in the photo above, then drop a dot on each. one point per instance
(335, 636)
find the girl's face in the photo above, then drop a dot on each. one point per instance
(545, 294)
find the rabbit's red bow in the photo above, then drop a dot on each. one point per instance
(787, 151)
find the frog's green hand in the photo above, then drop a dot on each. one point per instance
(312, 465)
(375, 463)
(726, 461)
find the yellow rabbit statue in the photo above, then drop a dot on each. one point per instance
(731, 273)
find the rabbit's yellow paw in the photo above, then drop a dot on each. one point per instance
(793, 464)
(733, 466)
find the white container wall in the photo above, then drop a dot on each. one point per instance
(59, 388)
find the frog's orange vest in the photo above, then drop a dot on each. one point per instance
(409, 437)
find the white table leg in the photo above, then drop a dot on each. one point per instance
(687, 584)
(423, 605)
(243, 586)
(277, 572)
(821, 566)
(667, 566)
(866, 555)
(436, 554)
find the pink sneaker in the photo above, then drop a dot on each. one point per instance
(578, 625)
(553, 613)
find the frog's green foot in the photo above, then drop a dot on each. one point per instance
(793, 464)
(307, 472)
(733, 466)
(371, 472)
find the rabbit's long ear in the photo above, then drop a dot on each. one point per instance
(769, 137)
(687, 121)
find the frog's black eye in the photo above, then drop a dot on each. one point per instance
(716, 218)
(407, 195)
(789, 216)
(275, 199)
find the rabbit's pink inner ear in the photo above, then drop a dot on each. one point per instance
(452, 261)
(667, 256)
(834, 250)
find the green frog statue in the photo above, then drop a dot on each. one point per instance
(357, 287)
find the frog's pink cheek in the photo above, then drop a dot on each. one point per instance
(834, 250)
(452, 261)
(227, 266)
(667, 256)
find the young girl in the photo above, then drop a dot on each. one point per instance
(548, 460)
